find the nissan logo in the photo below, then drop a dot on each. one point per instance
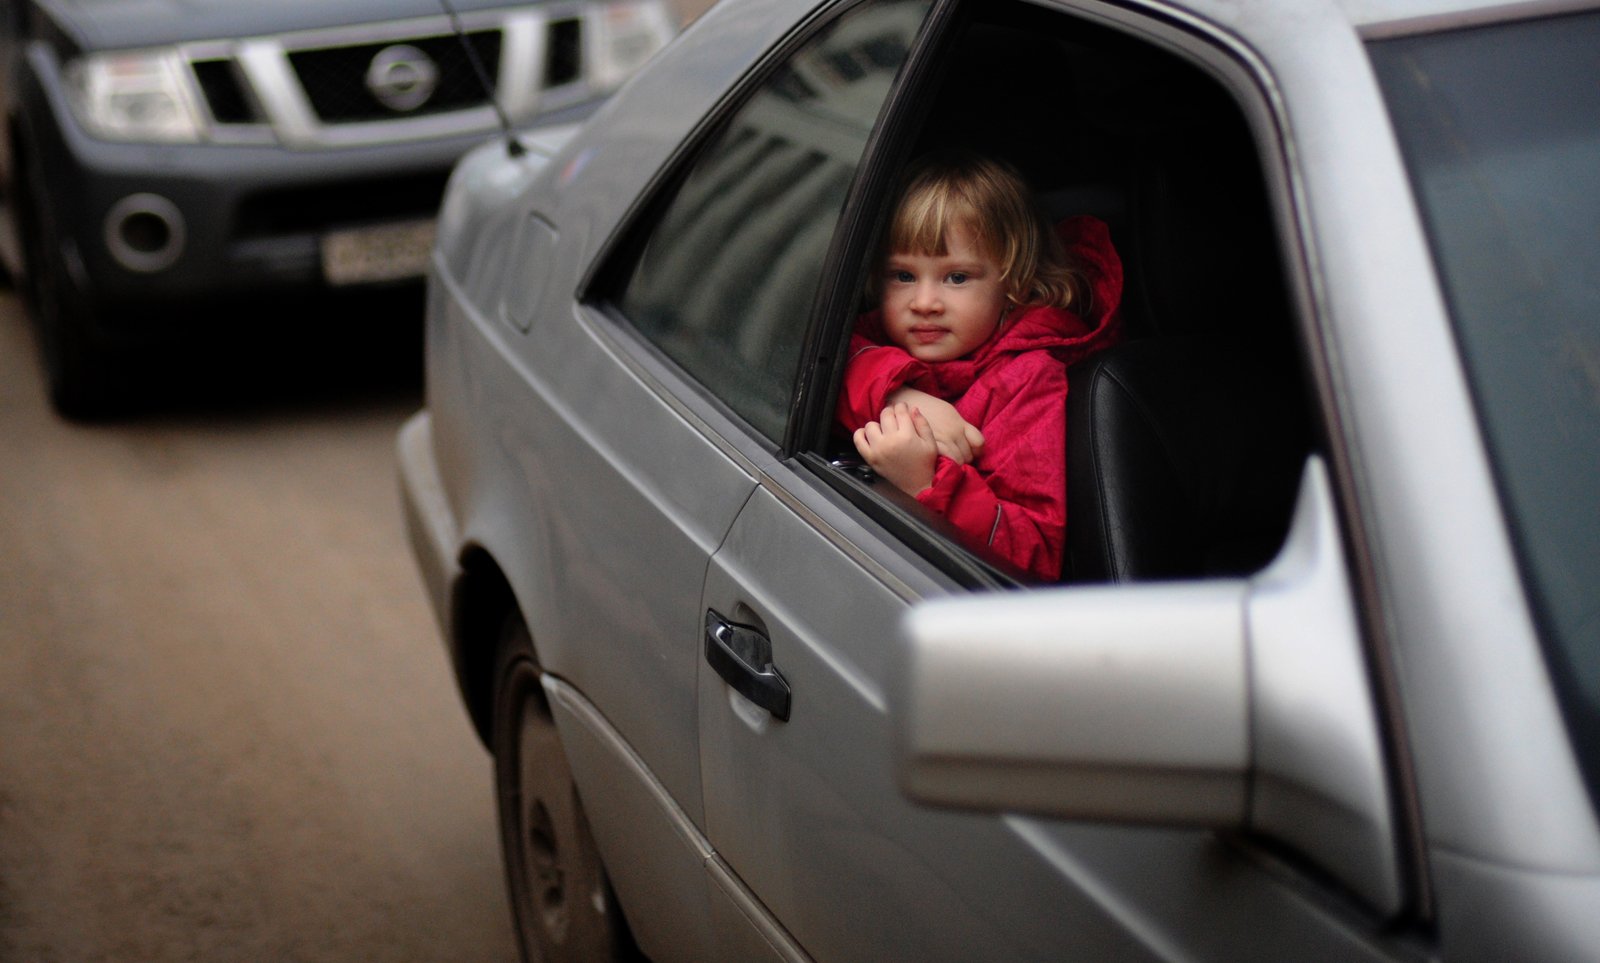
(402, 77)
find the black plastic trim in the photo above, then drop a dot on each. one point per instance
(922, 531)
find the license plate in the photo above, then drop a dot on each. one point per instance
(386, 252)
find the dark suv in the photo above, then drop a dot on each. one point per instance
(162, 156)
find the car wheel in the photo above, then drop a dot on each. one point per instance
(562, 904)
(77, 372)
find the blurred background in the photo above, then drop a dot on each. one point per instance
(228, 730)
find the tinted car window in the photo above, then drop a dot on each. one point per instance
(725, 282)
(1501, 129)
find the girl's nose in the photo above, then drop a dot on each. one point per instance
(925, 297)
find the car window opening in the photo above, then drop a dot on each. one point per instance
(1186, 441)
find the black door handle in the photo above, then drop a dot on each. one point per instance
(743, 657)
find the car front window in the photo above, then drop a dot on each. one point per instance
(1500, 127)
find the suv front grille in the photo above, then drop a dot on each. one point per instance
(335, 79)
(224, 91)
(314, 89)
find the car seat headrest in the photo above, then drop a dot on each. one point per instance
(1183, 457)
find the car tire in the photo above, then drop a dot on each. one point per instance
(561, 901)
(77, 372)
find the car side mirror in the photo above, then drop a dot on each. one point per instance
(1233, 704)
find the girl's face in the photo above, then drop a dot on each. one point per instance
(941, 307)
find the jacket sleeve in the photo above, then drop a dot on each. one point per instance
(1015, 500)
(873, 371)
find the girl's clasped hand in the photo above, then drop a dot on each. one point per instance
(900, 447)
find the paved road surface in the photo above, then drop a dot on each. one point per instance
(227, 727)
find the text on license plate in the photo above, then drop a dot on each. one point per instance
(385, 252)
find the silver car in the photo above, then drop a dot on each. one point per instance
(1322, 681)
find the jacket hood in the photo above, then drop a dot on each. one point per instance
(1068, 334)
(115, 24)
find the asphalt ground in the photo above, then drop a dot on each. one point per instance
(228, 729)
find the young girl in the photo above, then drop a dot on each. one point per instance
(956, 387)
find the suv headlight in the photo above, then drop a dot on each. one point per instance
(134, 96)
(624, 34)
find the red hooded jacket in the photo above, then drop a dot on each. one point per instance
(1013, 496)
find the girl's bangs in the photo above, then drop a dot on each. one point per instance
(924, 221)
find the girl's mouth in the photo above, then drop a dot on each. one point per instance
(926, 334)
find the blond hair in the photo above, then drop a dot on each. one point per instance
(990, 201)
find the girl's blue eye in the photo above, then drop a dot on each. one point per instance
(958, 277)
(904, 277)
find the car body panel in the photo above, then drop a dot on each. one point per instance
(430, 523)
(658, 856)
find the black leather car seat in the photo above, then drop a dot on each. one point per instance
(1183, 459)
